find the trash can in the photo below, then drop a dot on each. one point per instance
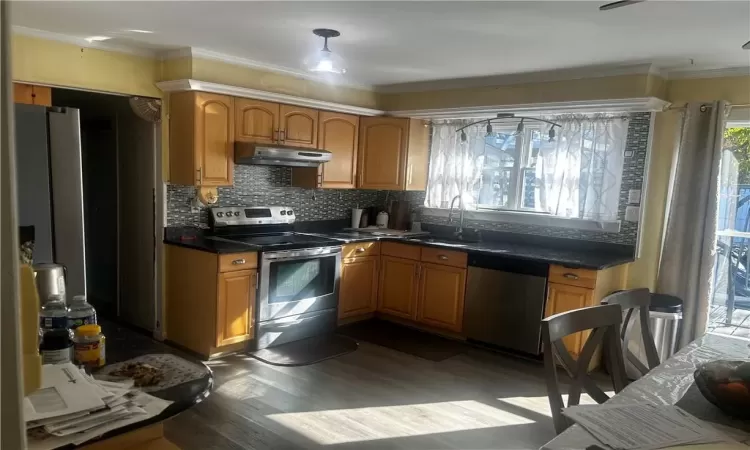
(665, 314)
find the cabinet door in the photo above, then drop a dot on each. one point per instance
(23, 93)
(359, 286)
(214, 139)
(235, 307)
(382, 152)
(561, 298)
(397, 293)
(441, 296)
(339, 133)
(257, 121)
(298, 126)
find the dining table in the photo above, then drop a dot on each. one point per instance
(671, 383)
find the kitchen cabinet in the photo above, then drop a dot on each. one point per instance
(201, 139)
(397, 294)
(358, 290)
(441, 296)
(298, 127)
(393, 153)
(339, 134)
(210, 299)
(31, 94)
(415, 288)
(574, 288)
(256, 121)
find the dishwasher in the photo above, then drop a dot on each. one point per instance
(504, 303)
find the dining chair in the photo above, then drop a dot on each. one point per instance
(604, 323)
(630, 301)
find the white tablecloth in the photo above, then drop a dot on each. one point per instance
(664, 385)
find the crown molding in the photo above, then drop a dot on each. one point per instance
(578, 73)
(82, 42)
(202, 53)
(627, 105)
(216, 88)
(709, 73)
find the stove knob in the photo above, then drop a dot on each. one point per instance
(290, 213)
(236, 214)
(219, 214)
(283, 213)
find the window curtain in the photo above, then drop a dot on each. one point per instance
(455, 166)
(689, 249)
(578, 174)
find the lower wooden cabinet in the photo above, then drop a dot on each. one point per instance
(235, 306)
(358, 290)
(441, 296)
(210, 302)
(562, 298)
(398, 287)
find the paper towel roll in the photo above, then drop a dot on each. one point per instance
(356, 217)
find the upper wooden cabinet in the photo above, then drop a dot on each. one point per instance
(339, 134)
(393, 153)
(298, 127)
(201, 129)
(256, 121)
(31, 94)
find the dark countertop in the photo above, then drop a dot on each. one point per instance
(575, 254)
(122, 344)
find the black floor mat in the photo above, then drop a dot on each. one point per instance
(306, 351)
(403, 339)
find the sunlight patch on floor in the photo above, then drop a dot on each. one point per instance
(384, 422)
(540, 405)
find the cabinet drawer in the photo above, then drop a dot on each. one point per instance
(572, 277)
(238, 261)
(444, 257)
(357, 249)
(400, 250)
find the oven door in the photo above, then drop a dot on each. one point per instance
(295, 282)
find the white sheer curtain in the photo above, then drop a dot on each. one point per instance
(579, 173)
(455, 166)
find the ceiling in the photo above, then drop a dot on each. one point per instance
(386, 43)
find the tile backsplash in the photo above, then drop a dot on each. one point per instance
(271, 186)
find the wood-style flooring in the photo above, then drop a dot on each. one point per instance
(373, 398)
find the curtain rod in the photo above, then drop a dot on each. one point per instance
(739, 105)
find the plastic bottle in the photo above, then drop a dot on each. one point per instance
(54, 314)
(88, 345)
(80, 312)
(56, 346)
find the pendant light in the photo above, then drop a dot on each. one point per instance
(325, 61)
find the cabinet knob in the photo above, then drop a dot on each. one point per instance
(570, 276)
(237, 262)
(443, 257)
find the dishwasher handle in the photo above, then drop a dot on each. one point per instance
(506, 264)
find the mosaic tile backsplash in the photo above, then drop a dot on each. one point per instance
(271, 186)
(634, 166)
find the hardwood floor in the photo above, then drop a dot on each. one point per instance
(373, 398)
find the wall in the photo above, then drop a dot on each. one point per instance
(622, 86)
(632, 178)
(644, 272)
(271, 186)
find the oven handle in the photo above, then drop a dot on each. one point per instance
(287, 255)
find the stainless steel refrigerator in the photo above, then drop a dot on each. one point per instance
(50, 187)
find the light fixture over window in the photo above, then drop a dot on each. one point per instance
(325, 61)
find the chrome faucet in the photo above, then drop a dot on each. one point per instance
(460, 228)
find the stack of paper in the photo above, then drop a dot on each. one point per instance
(72, 407)
(631, 427)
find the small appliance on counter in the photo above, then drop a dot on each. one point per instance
(50, 280)
(298, 289)
(382, 220)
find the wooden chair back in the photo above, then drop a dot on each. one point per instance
(604, 323)
(630, 301)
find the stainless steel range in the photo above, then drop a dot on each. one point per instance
(299, 274)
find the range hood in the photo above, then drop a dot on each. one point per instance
(276, 155)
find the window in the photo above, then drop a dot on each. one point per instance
(576, 175)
